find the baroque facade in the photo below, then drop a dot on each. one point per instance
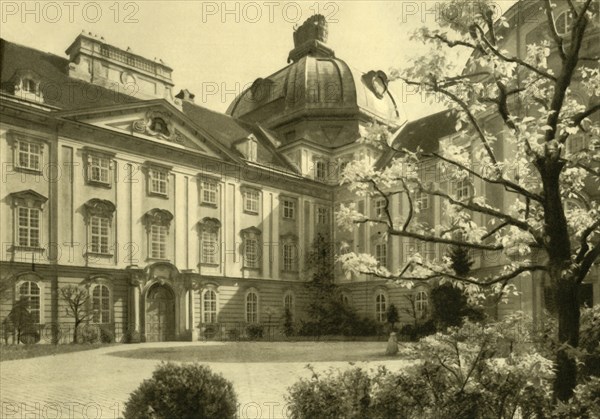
(179, 220)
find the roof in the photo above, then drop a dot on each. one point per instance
(424, 133)
(58, 88)
(71, 94)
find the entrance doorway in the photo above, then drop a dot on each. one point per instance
(160, 314)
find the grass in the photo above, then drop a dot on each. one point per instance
(245, 352)
(12, 352)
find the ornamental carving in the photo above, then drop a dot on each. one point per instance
(100, 207)
(209, 224)
(158, 124)
(157, 216)
(28, 198)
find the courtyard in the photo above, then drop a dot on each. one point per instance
(96, 383)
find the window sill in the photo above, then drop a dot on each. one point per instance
(250, 212)
(158, 195)
(251, 268)
(28, 249)
(210, 265)
(151, 259)
(208, 204)
(99, 255)
(28, 170)
(99, 184)
(288, 218)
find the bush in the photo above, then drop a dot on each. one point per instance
(186, 391)
(449, 306)
(462, 376)
(106, 335)
(87, 334)
(255, 331)
(288, 323)
(418, 331)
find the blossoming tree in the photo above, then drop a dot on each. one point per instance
(532, 160)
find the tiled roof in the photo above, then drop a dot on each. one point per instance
(58, 88)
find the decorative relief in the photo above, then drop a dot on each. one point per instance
(157, 216)
(160, 125)
(100, 208)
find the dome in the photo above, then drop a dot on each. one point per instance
(316, 84)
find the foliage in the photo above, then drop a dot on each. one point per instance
(449, 306)
(255, 331)
(288, 323)
(21, 322)
(337, 318)
(392, 316)
(419, 330)
(460, 261)
(522, 131)
(585, 403)
(106, 334)
(77, 299)
(462, 376)
(188, 391)
(87, 334)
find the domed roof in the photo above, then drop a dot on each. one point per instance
(317, 84)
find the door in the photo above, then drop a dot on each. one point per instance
(160, 314)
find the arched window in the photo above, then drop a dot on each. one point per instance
(209, 306)
(29, 292)
(252, 307)
(380, 307)
(421, 303)
(563, 22)
(101, 304)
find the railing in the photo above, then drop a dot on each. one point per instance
(61, 333)
(235, 331)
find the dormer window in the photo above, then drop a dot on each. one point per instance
(248, 147)
(320, 170)
(29, 86)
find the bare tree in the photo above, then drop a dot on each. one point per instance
(78, 306)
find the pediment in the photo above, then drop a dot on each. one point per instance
(155, 121)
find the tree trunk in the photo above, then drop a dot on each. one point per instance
(567, 304)
(76, 333)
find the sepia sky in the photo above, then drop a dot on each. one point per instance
(218, 48)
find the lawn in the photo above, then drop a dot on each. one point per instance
(265, 352)
(11, 352)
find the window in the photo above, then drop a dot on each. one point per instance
(158, 241)
(99, 234)
(101, 304)
(29, 227)
(381, 254)
(322, 215)
(29, 86)
(209, 306)
(251, 253)
(462, 189)
(289, 257)
(29, 155)
(29, 293)
(576, 144)
(209, 248)
(380, 307)
(289, 209)
(320, 170)
(252, 307)
(379, 207)
(209, 193)
(563, 23)
(158, 181)
(288, 302)
(157, 223)
(99, 169)
(421, 303)
(421, 200)
(251, 197)
(209, 241)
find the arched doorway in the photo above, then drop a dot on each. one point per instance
(160, 314)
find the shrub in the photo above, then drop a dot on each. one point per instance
(288, 323)
(87, 334)
(186, 391)
(106, 335)
(255, 331)
(449, 306)
(418, 331)
(462, 376)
